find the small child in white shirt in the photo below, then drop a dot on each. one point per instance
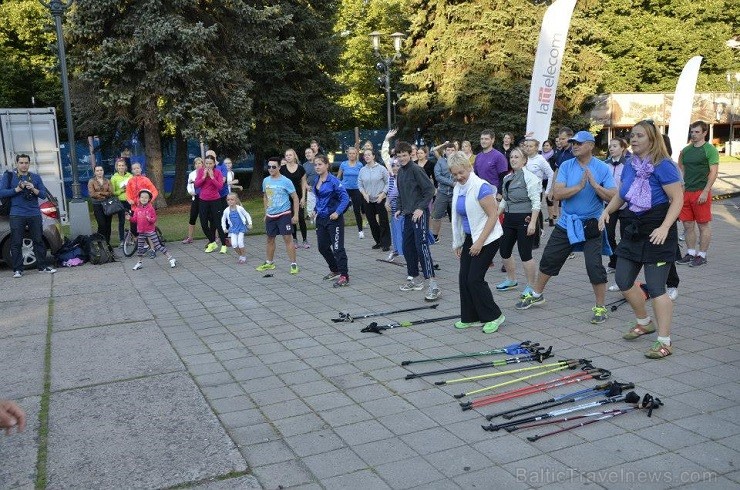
(236, 221)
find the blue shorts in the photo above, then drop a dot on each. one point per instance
(280, 225)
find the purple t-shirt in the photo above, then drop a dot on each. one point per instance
(664, 173)
(485, 190)
(489, 165)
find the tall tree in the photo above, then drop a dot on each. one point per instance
(647, 42)
(294, 92)
(469, 65)
(27, 64)
(364, 102)
(153, 63)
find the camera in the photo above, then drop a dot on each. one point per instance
(27, 193)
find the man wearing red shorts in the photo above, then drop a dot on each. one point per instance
(699, 163)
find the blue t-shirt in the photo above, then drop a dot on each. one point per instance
(278, 193)
(585, 203)
(664, 173)
(485, 190)
(221, 167)
(349, 174)
(237, 225)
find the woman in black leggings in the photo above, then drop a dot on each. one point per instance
(349, 170)
(520, 203)
(297, 175)
(210, 181)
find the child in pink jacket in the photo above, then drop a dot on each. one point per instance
(145, 218)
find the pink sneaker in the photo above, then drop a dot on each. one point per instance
(187, 240)
(242, 260)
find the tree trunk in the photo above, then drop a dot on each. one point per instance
(153, 153)
(255, 183)
(179, 189)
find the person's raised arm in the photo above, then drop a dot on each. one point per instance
(385, 148)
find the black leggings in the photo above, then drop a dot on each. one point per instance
(194, 210)
(611, 234)
(515, 231)
(301, 222)
(122, 220)
(103, 220)
(210, 220)
(358, 205)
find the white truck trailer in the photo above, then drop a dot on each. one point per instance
(34, 132)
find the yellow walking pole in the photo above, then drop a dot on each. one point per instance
(507, 383)
(569, 363)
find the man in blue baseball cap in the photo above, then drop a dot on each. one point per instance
(583, 184)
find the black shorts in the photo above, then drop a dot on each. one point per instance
(559, 247)
(280, 225)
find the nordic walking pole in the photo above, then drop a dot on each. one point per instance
(547, 385)
(648, 402)
(349, 318)
(630, 397)
(605, 387)
(513, 349)
(590, 373)
(537, 404)
(513, 381)
(531, 357)
(567, 418)
(613, 389)
(504, 373)
(375, 328)
(582, 424)
(614, 305)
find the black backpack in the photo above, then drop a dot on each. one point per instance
(100, 251)
(5, 202)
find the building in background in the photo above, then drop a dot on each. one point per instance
(618, 112)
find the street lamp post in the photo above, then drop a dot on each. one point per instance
(79, 212)
(384, 66)
(732, 80)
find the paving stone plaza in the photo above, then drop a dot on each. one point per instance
(211, 375)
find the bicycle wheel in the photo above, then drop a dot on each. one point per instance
(129, 244)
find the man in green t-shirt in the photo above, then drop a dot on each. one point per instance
(699, 163)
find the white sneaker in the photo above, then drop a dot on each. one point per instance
(392, 256)
(173, 262)
(672, 293)
(611, 270)
(432, 294)
(613, 288)
(138, 266)
(361, 234)
(17, 274)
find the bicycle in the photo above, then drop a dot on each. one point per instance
(129, 241)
